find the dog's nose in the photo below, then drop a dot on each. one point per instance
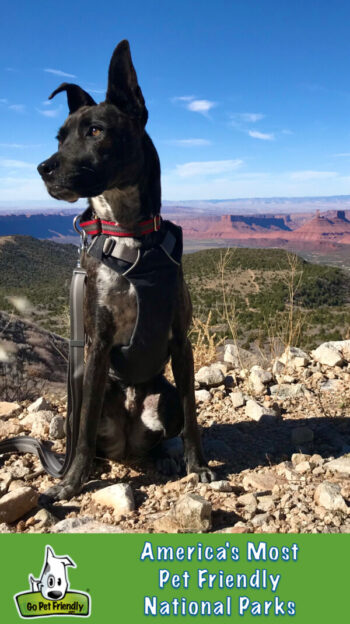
(47, 167)
(54, 594)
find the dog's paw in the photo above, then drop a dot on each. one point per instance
(61, 491)
(205, 474)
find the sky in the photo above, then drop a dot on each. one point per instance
(246, 98)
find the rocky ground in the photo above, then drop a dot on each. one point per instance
(278, 439)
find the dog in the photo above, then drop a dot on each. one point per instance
(105, 155)
(53, 581)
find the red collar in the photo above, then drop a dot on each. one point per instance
(111, 228)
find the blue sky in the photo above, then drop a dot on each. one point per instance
(246, 98)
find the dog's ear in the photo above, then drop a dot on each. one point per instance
(123, 89)
(76, 96)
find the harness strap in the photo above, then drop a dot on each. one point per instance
(56, 465)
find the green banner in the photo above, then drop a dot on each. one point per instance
(172, 578)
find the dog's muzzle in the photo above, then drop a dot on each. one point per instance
(47, 167)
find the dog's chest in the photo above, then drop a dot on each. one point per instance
(118, 295)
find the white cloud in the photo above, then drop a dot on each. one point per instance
(3, 101)
(183, 98)
(194, 104)
(18, 108)
(213, 167)
(190, 142)
(251, 117)
(201, 106)
(18, 145)
(15, 164)
(312, 175)
(342, 155)
(286, 131)
(50, 112)
(59, 72)
(263, 136)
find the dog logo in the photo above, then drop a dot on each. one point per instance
(50, 594)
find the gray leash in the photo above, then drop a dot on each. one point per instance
(57, 466)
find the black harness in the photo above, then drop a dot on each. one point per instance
(152, 270)
(153, 273)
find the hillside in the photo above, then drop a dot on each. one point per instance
(243, 289)
(249, 291)
(39, 272)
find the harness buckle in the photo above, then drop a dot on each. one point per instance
(108, 246)
(155, 224)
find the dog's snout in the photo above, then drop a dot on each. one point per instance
(47, 167)
(54, 594)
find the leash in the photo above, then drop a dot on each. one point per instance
(56, 465)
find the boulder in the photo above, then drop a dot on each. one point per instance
(16, 503)
(119, 496)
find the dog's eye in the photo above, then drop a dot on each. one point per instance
(51, 581)
(59, 581)
(94, 131)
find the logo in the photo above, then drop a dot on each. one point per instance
(50, 594)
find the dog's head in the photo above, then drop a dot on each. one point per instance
(100, 145)
(53, 583)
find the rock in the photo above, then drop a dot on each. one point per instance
(17, 503)
(4, 528)
(237, 399)
(40, 418)
(301, 435)
(260, 481)
(264, 376)
(332, 385)
(210, 375)
(328, 354)
(192, 513)
(328, 496)
(259, 378)
(44, 519)
(84, 524)
(302, 467)
(298, 458)
(119, 496)
(189, 481)
(284, 390)
(341, 464)
(9, 429)
(277, 367)
(296, 357)
(248, 501)
(265, 503)
(260, 519)
(18, 470)
(57, 428)
(8, 409)
(221, 486)
(5, 480)
(38, 405)
(235, 529)
(202, 396)
(256, 411)
(232, 355)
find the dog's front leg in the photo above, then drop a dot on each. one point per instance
(183, 371)
(95, 378)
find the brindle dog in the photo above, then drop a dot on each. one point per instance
(106, 155)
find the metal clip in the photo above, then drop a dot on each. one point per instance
(83, 238)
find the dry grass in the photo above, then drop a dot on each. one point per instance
(204, 342)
